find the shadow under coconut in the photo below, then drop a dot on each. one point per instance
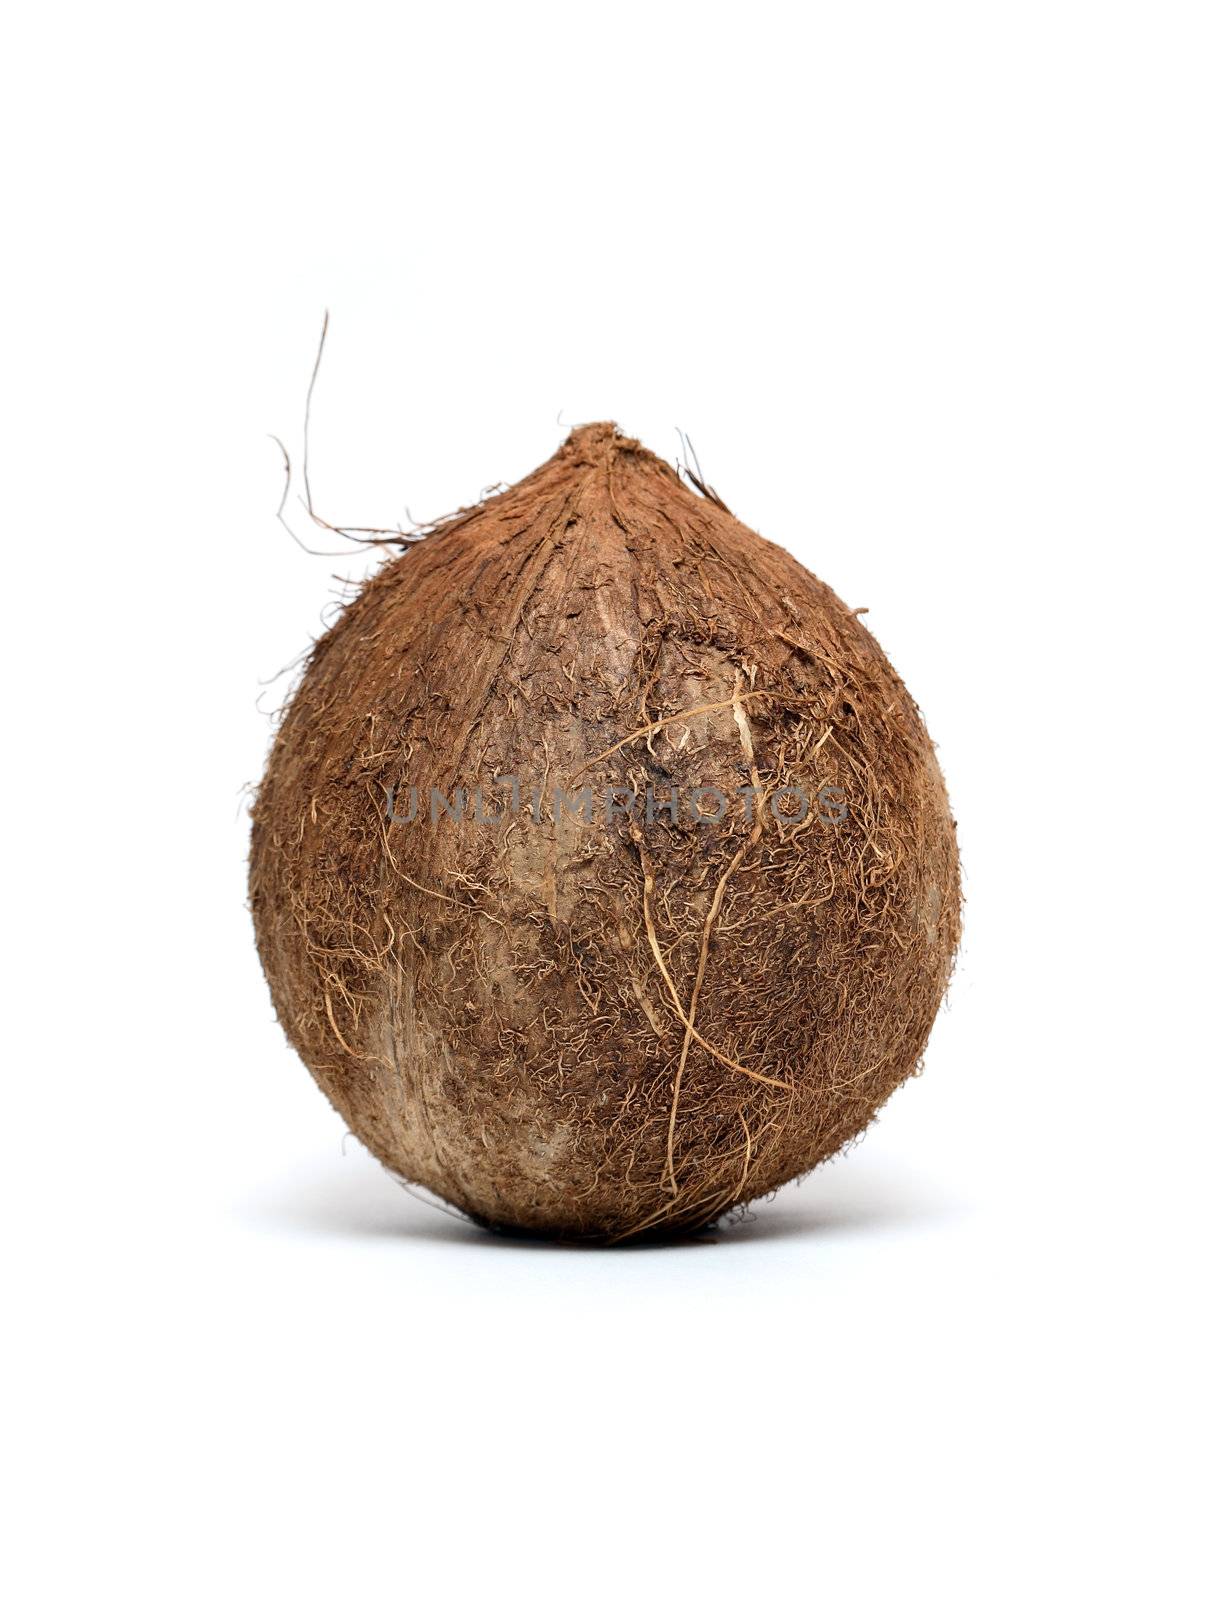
(358, 1199)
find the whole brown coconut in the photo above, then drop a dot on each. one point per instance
(600, 1028)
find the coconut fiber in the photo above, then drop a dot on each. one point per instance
(604, 1023)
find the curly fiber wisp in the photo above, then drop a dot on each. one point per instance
(603, 873)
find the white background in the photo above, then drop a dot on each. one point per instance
(937, 292)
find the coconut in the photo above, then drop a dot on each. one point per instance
(603, 873)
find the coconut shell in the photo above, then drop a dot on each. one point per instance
(603, 1028)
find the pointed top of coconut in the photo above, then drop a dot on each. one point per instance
(603, 447)
(598, 475)
(589, 437)
(597, 443)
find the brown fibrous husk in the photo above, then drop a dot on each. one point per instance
(611, 1028)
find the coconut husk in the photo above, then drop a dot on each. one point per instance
(603, 1029)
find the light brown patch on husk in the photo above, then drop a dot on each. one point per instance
(603, 1030)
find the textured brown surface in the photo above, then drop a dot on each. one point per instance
(599, 1030)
